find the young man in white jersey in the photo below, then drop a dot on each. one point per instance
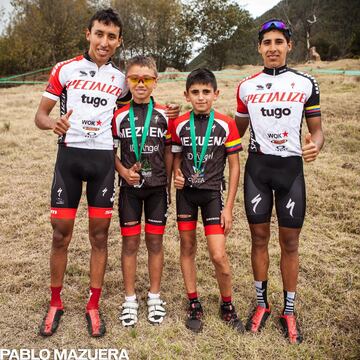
(88, 86)
(273, 103)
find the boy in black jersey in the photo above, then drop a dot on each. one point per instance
(202, 141)
(142, 128)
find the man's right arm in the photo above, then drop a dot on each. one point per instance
(242, 124)
(44, 122)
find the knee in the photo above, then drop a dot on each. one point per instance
(98, 240)
(154, 245)
(290, 246)
(219, 259)
(130, 247)
(188, 249)
(260, 241)
(61, 240)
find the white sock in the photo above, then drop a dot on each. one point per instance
(153, 296)
(130, 298)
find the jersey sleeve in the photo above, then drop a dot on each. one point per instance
(124, 98)
(55, 84)
(241, 109)
(233, 141)
(176, 145)
(312, 105)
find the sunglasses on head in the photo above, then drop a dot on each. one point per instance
(276, 25)
(146, 80)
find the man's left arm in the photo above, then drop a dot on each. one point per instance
(314, 140)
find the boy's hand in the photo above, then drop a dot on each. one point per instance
(131, 176)
(62, 124)
(179, 180)
(226, 220)
(172, 111)
(310, 149)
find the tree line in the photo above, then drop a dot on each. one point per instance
(43, 32)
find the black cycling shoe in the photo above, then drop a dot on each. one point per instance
(195, 313)
(228, 314)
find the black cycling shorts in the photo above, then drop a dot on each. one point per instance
(131, 202)
(73, 167)
(265, 174)
(188, 200)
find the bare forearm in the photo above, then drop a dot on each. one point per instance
(234, 175)
(169, 157)
(177, 162)
(242, 124)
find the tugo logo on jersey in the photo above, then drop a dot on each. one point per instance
(95, 101)
(278, 113)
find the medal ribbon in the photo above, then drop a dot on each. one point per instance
(206, 139)
(138, 151)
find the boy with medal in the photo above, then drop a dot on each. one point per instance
(142, 128)
(202, 141)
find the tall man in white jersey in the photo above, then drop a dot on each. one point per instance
(88, 86)
(273, 103)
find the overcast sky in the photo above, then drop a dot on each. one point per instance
(255, 7)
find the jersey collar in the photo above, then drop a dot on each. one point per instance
(87, 57)
(275, 71)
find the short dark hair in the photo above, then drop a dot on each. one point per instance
(201, 76)
(143, 61)
(107, 16)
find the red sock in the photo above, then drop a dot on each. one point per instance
(55, 296)
(226, 299)
(192, 296)
(94, 299)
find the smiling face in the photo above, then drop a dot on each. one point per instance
(274, 49)
(141, 81)
(104, 40)
(201, 97)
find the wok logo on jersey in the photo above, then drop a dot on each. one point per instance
(95, 101)
(153, 132)
(277, 96)
(278, 113)
(278, 138)
(213, 141)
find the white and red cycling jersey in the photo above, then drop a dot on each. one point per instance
(276, 100)
(92, 93)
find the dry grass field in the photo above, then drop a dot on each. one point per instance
(329, 286)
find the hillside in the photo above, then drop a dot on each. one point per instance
(336, 32)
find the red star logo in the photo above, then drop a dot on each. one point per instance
(98, 123)
(285, 134)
